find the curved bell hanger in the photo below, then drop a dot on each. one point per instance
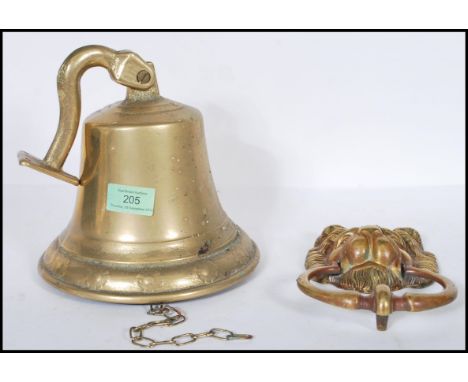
(125, 67)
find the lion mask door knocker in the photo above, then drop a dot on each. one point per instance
(368, 264)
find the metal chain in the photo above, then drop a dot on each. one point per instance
(170, 316)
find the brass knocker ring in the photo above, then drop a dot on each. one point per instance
(367, 264)
(382, 301)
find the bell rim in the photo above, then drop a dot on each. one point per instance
(182, 295)
(157, 297)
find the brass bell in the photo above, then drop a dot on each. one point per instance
(148, 225)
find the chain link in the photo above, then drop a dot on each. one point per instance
(170, 316)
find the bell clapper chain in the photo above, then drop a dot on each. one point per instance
(170, 316)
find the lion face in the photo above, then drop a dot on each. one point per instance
(371, 255)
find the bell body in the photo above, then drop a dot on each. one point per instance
(182, 246)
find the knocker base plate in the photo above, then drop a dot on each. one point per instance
(143, 284)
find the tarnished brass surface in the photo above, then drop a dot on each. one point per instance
(369, 263)
(189, 247)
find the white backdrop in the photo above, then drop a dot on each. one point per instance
(280, 109)
(303, 130)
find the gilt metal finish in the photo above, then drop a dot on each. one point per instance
(188, 247)
(370, 262)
